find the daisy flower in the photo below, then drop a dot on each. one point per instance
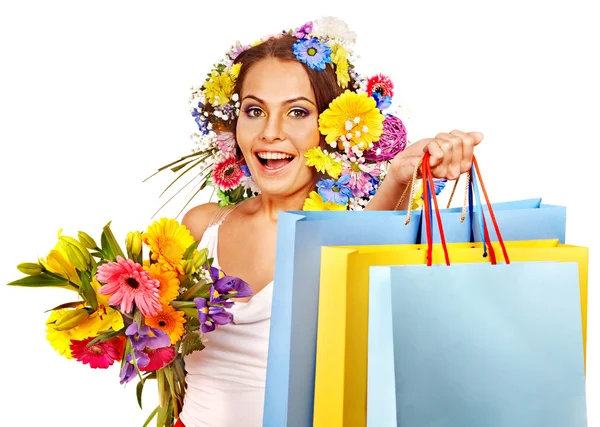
(168, 289)
(362, 175)
(381, 85)
(127, 283)
(335, 191)
(100, 355)
(168, 240)
(323, 162)
(313, 53)
(227, 173)
(353, 119)
(169, 321)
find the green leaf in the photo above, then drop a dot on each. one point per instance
(138, 392)
(40, 281)
(66, 305)
(106, 335)
(191, 341)
(162, 168)
(98, 254)
(151, 416)
(111, 242)
(190, 250)
(107, 252)
(87, 292)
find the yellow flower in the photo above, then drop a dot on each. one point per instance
(57, 263)
(60, 340)
(417, 201)
(169, 321)
(219, 87)
(103, 319)
(234, 72)
(339, 57)
(168, 241)
(315, 203)
(169, 283)
(322, 162)
(353, 117)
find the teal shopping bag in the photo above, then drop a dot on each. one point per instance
(289, 395)
(475, 345)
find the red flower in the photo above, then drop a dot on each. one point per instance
(99, 355)
(380, 84)
(227, 174)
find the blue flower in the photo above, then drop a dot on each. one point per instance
(200, 119)
(382, 102)
(313, 53)
(335, 191)
(374, 182)
(438, 185)
(245, 169)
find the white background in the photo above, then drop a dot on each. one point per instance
(93, 99)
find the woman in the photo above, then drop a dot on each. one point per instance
(282, 88)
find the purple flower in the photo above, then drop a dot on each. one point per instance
(214, 273)
(313, 53)
(335, 191)
(304, 30)
(391, 142)
(147, 337)
(211, 315)
(237, 49)
(229, 287)
(438, 185)
(128, 371)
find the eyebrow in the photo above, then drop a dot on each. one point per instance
(288, 101)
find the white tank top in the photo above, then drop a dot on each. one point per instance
(226, 380)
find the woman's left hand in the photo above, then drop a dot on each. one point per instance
(451, 155)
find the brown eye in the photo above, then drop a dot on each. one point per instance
(298, 113)
(254, 112)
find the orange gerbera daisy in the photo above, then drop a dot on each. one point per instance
(169, 283)
(168, 241)
(169, 321)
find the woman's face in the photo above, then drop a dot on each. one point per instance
(278, 123)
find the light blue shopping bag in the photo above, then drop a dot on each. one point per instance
(474, 345)
(292, 344)
(527, 219)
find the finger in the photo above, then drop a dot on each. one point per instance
(468, 143)
(453, 156)
(441, 153)
(477, 136)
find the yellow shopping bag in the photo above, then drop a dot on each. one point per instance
(341, 360)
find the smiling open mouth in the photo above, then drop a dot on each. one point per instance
(274, 161)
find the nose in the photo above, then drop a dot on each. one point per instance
(273, 130)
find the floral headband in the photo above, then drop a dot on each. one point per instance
(362, 134)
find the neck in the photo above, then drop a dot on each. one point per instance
(270, 206)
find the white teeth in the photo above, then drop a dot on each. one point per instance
(269, 155)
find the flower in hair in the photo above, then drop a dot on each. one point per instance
(227, 174)
(304, 30)
(323, 162)
(339, 57)
(381, 85)
(352, 120)
(334, 28)
(312, 52)
(335, 191)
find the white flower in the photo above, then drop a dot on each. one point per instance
(334, 28)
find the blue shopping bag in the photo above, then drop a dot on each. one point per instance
(292, 342)
(527, 219)
(475, 345)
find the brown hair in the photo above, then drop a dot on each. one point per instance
(323, 83)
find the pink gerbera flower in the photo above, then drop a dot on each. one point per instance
(227, 174)
(159, 358)
(99, 355)
(380, 84)
(127, 282)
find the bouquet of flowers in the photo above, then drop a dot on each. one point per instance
(146, 307)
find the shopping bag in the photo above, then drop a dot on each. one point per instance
(344, 320)
(527, 219)
(340, 392)
(292, 344)
(476, 344)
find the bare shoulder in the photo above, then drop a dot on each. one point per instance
(198, 218)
